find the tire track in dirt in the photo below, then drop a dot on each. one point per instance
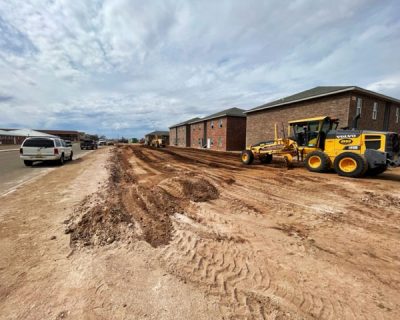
(269, 243)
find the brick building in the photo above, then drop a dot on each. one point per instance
(179, 134)
(223, 131)
(377, 111)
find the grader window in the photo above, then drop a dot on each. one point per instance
(306, 133)
(372, 142)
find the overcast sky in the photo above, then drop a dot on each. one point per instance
(124, 67)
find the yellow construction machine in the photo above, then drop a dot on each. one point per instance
(158, 143)
(321, 146)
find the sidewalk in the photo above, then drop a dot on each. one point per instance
(9, 147)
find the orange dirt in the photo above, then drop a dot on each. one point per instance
(248, 242)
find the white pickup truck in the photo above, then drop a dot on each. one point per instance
(45, 149)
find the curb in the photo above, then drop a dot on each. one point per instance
(5, 150)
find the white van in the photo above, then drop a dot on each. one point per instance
(44, 149)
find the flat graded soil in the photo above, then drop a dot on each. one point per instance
(139, 233)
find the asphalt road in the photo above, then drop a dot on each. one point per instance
(13, 172)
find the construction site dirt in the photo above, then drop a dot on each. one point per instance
(174, 233)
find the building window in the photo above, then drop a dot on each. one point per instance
(375, 111)
(212, 124)
(219, 141)
(212, 141)
(199, 126)
(220, 123)
(359, 106)
(199, 141)
(397, 115)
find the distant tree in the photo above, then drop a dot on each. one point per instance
(93, 137)
(135, 140)
(103, 137)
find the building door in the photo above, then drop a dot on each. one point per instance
(208, 143)
(386, 117)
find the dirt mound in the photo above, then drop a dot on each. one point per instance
(190, 188)
(199, 190)
(101, 225)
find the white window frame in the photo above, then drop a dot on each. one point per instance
(220, 141)
(397, 114)
(212, 124)
(375, 111)
(220, 123)
(359, 106)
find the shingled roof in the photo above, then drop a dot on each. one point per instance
(232, 112)
(317, 92)
(184, 122)
(158, 133)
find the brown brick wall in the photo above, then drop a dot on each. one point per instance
(236, 134)
(217, 134)
(394, 122)
(172, 137)
(260, 125)
(366, 122)
(197, 132)
(181, 136)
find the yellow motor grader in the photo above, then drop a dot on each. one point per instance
(321, 146)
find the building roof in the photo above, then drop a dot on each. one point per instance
(232, 112)
(59, 131)
(318, 92)
(184, 122)
(27, 133)
(158, 133)
(23, 133)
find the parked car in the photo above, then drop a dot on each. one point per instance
(102, 142)
(45, 149)
(68, 143)
(88, 144)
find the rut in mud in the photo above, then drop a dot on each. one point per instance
(125, 210)
(270, 243)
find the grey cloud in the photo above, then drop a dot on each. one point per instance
(128, 67)
(6, 98)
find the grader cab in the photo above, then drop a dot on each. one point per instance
(321, 146)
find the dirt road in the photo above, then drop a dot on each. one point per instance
(138, 233)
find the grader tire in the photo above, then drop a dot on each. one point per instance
(267, 159)
(350, 164)
(317, 161)
(247, 157)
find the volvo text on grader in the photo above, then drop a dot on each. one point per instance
(318, 142)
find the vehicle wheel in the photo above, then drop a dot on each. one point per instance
(375, 171)
(267, 158)
(350, 164)
(28, 163)
(317, 161)
(247, 157)
(61, 160)
(71, 156)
